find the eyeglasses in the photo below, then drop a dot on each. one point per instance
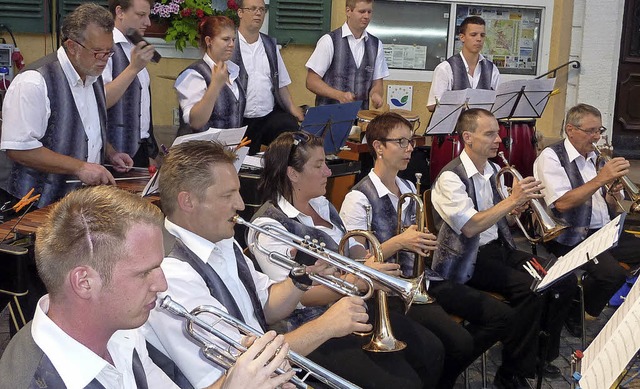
(592, 131)
(254, 10)
(101, 55)
(402, 142)
(299, 139)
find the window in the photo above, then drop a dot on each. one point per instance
(299, 21)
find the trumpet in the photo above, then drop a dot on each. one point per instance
(548, 226)
(226, 359)
(630, 189)
(383, 339)
(406, 289)
(422, 297)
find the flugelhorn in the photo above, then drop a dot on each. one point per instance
(406, 289)
(382, 339)
(225, 358)
(630, 189)
(547, 225)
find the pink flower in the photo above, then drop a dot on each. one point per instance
(200, 14)
(231, 4)
(186, 12)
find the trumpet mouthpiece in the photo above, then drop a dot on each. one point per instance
(173, 307)
(237, 219)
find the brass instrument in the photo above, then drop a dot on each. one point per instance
(422, 297)
(382, 339)
(631, 190)
(406, 289)
(546, 225)
(226, 358)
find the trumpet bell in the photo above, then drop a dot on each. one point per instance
(383, 340)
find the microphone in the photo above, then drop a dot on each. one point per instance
(134, 36)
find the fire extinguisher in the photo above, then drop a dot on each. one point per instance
(17, 58)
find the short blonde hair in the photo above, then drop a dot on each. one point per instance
(89, 227)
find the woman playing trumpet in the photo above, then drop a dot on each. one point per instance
(208, 90)
(389, 137)
(293, 185)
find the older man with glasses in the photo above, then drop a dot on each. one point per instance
(54, 114)
(575, 189)
(270, 109)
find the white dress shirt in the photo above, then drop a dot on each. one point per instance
(26, 110)
(260, 100)
(452, 202)
(143, 78)
(353, 211)
(78, 366)
(191, 86)
(443, 78)
(322, 56)
(166, 331)
(547, 168)
(319, 204)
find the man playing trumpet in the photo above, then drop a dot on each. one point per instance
(575, 188)
(476, 248)
(199, 189)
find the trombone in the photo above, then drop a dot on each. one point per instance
(630, 188)
(406, 289)
(550, 226)
(225, 358)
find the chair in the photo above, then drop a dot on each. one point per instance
(13, 280)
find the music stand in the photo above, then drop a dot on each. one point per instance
(332, 123)
(452, 103)
(522, 98)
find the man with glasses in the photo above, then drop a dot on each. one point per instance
(475, 247)
(575, 189)
(126, 81)
(270, 110)
(348, 64)
(54, 113)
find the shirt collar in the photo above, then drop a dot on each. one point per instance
(200, 246)
(346, 31)
(382, 189)
(232, 68)
(242, 39)
(70, 72)
(572, 153)
(118, 37)
(464, 60)
(74, 362)
(471, 169)
(319, 204)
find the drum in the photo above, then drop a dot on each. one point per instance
(411, 116)
(444, 148)
(518, 144)
(365, 116)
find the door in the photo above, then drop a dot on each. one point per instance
(626, 123)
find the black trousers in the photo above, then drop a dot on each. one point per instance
(263, 130)
(488, 319)
(499, 269)
(417, 366)
(606, 276)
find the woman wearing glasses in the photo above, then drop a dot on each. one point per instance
(293, 185)
(208, 90)
(389, 137)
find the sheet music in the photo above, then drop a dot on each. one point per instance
(226, 136)
(152, 185)
(451, 105)
(253, 161)
(242, 155)
(530, 105)
(602, 240)
(615, 345)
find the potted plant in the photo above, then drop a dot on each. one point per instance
(183, 17)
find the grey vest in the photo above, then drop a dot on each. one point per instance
(216, 286)
(270, 210)
(460, 78)
(455, 257)
(227, 112)
(123, 119)
(271, 50)
(578, 217)
(344, 75)
(25, 365)
(384, 223)
(64, 135)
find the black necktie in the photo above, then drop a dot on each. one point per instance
(138, 372)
